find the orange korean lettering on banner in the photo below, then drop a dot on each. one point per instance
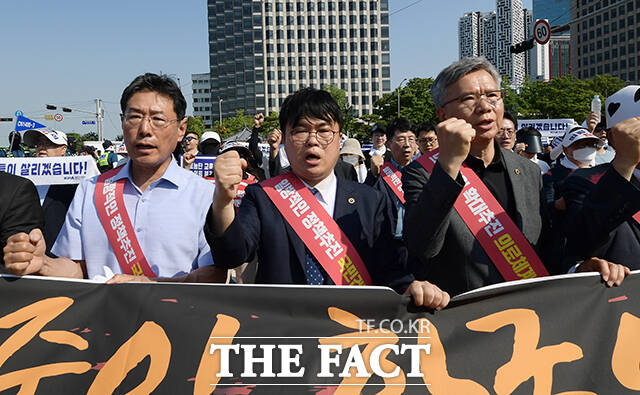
(222, 333)
(149, 341)
(527, 360)
(625, 361)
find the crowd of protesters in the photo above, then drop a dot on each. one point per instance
(431, 210)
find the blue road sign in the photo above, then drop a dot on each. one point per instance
(19, 113)
(23, 123)
(88, 122)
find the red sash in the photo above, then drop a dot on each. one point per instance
(109, 201)
(393, 178)
(498, 235)
(318, 231)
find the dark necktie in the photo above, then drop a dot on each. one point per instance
(312, 267)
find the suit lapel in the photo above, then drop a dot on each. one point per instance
(517, 183)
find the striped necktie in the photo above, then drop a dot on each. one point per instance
(312, 269)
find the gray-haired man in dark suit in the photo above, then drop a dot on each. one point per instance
(468, 101)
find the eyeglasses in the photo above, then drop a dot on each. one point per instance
(404, 140)
(188, 139)
(471, 100)
(430, 140)
(506, 132)
(157, 121)
(324, 137)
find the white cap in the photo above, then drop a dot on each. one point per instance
(210, 135)
(574, 135)
(622, 105)
(55, 136)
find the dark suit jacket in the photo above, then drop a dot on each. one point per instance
(450, 255)
(55, 207)
(599, 223)
(259, 228)
(20, 209)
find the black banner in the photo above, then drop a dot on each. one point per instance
(568, 334)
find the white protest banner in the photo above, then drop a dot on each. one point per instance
(51, 171)
(549, 128)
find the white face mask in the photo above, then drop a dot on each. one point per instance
(585, 155)
(351, 159)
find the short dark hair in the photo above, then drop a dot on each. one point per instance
(425, 127)
(156, 83)
(399, 125)
(309, 103)
(192, 132)
(512, 118)
(378, 128)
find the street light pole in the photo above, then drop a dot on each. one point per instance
(400, 86)
(220, 109)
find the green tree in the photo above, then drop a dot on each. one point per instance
(232, 125)
(195, 124)
(340, 96)
(91, 136)
(416, 103)
(563, 97)
(271, 122)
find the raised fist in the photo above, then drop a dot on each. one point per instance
(454, 138)
(228, 169)
(258, 119)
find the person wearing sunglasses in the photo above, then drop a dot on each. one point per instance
(190, 144)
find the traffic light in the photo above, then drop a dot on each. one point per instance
(50, 107)
(6, 119)
(522, 46)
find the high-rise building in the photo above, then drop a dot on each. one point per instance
(491, 35)
(554, 58)
(201, 89)
(604, 39)
(262, 51)
(554, 11)
(469, 35)
(510, 23)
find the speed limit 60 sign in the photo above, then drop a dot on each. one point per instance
(541, 31)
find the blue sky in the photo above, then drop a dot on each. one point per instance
(71, 52)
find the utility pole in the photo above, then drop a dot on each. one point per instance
(99, 119)
(220, 109)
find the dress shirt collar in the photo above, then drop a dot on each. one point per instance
(478, 164)
(326, 192)
(396, 165)
(380, 152)
(171, 174)
(636, 172)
